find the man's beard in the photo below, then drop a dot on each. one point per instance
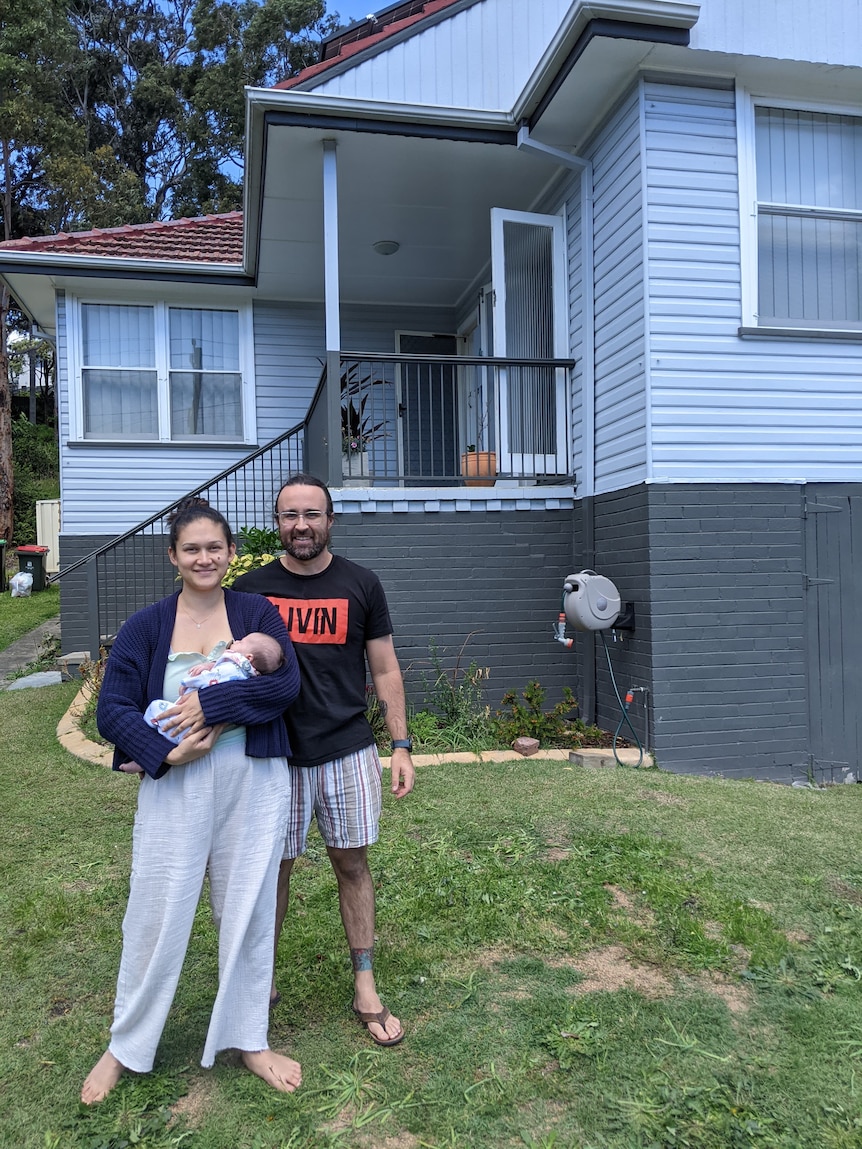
(312, 547)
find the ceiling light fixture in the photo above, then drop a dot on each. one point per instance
(386, 246)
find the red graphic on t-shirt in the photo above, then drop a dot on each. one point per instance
(321, 620)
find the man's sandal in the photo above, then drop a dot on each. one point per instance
(381, 1019)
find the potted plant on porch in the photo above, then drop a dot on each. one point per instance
(482, 465)
(358, 430)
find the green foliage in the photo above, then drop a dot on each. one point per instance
(35, 447)
(527, 717)
(457, 697)
(257, 547)
(258, 541)
(35, 459)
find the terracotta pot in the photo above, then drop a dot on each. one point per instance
(479, 463)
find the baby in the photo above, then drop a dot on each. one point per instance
(257, 653)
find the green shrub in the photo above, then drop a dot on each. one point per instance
(35, 447)
(527, 718)
(35, 460)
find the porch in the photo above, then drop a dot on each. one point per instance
(404, 426)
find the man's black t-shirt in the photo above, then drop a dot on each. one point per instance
(329, 617)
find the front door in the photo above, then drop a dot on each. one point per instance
(427, 405)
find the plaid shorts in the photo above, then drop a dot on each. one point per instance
(343, 795)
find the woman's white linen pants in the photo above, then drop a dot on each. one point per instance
(225, 813)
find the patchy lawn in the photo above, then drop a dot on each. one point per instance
(611, 959)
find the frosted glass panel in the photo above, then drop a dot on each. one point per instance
(204, 340)
(118, 336)
(205, 404)
(120, 404)
(529, 256)
(809, 190)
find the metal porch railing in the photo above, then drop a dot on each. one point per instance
(430, 420)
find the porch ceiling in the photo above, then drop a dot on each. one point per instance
(432, 196)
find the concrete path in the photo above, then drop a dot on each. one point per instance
(26, 649)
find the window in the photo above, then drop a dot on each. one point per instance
(809, 218)
(161, 373)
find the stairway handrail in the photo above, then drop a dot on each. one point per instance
(171, 506)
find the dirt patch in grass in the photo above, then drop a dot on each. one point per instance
(641, 915)
(197, 1103)
(844, 890)
(736, 997)
(556, 854)
(610, 968)
(662, 798)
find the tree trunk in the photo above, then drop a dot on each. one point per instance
(6, 480)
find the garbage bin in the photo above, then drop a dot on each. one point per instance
(2, 565)
(32, 560)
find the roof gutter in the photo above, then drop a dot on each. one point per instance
(35, 262)
(653, 20)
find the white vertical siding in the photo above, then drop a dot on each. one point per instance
(726, 408)
(480, 57)
(620, 389)
(826, 31)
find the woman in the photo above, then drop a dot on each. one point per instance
(216, 801)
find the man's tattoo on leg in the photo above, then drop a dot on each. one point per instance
(363, 959)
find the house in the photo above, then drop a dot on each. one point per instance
(613, 243)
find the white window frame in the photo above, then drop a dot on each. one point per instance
(161, 307)
(746, 103)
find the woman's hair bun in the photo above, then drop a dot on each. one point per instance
(190, 504)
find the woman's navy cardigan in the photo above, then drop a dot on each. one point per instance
(135, 675)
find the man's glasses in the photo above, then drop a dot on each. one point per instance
(311, 517)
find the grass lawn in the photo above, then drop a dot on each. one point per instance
(603, 959)
(18, 615)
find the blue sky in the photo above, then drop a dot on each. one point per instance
(351, 10)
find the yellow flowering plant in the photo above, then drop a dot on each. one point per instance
(257, 547)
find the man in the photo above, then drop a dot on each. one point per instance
(336, 614)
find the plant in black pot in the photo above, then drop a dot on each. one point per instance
(358, 428)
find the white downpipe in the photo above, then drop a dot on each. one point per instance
(588, 371)
(330, 247)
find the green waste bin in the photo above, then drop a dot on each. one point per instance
(32, 560)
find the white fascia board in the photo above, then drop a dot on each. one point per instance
(666, 13)
(72, 263)
(262, 100)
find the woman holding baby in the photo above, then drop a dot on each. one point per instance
(215, 801)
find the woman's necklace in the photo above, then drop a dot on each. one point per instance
(204, 619)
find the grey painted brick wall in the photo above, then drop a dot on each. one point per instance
(715, 573)
(494, 578)
(715, 576)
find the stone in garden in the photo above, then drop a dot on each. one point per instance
(526, 746)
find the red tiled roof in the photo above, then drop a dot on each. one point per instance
(206, 239)
(359, 37)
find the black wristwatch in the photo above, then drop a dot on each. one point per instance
(403, 744)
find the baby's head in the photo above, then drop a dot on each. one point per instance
(262, 651)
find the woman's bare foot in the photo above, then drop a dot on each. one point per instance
(282, 1073)
(101, 1079)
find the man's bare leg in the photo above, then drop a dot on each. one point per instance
(281, 902)
(101, 1079)
(356, 902)
(277, 1070)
